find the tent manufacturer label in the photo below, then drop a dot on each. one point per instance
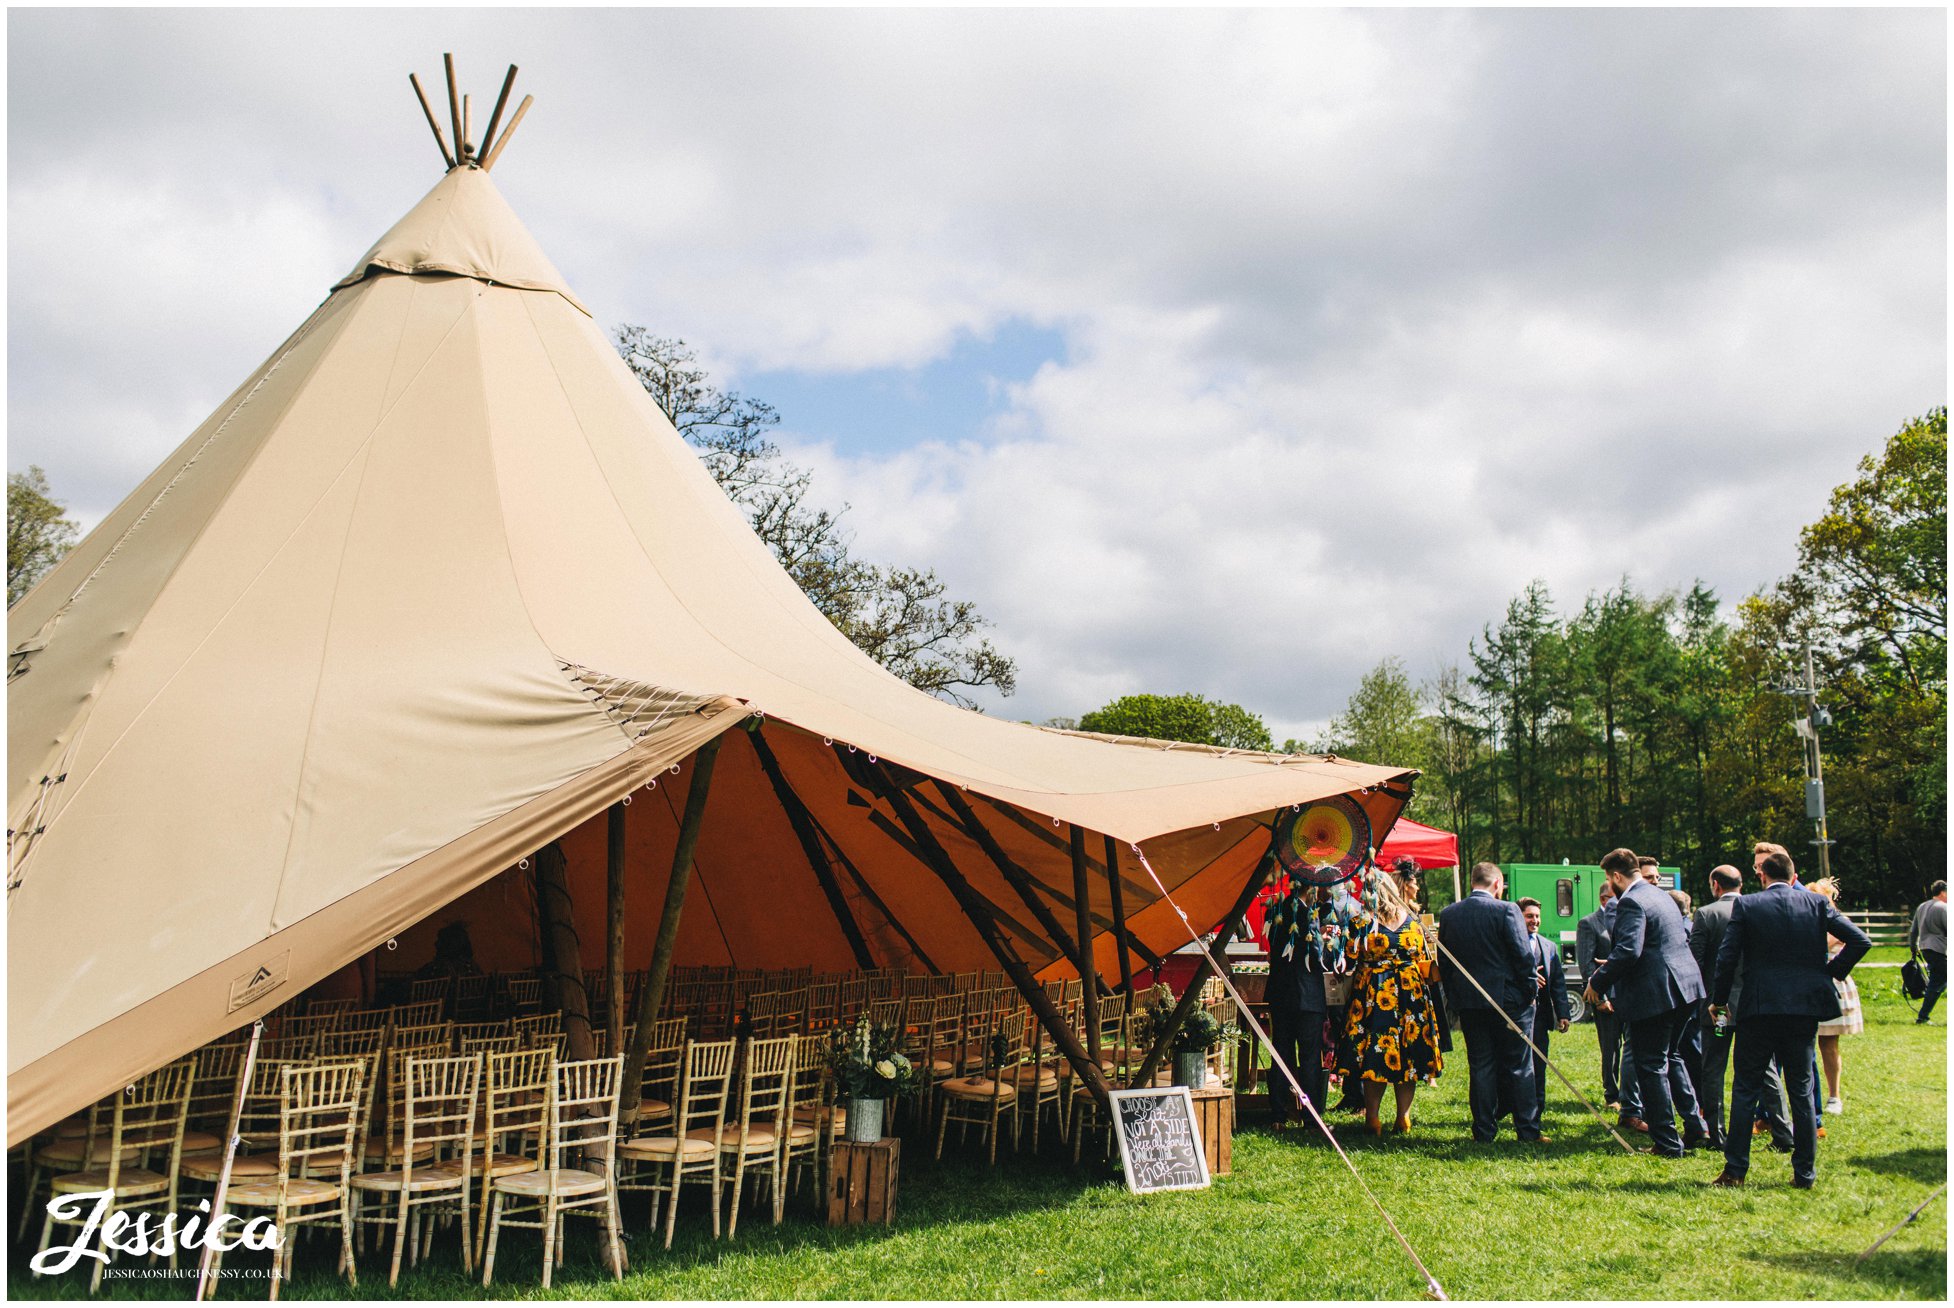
(260, 980)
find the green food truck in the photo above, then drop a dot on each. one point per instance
(1567, 893)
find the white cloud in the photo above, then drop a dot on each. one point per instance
(1370, 316)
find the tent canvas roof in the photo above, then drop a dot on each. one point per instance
(434, 585)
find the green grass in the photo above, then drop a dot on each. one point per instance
(1576, 1220)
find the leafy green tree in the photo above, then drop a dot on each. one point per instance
(39, 532)
(898, 616)
(1383, 722)
(1189, 717)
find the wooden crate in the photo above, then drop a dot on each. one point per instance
(1214, 1115)
(862, 1182)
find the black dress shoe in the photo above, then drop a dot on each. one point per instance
(1803, 1183)
(1697, 1141)
(1728, 1181)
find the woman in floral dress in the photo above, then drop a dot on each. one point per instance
(1393, 1027)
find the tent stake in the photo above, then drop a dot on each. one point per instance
(978, 911)
(651, 995)
(1218, 951)
(1119, 915)
(1017, 877)
(566, 953)
(797, 816)
(614, 937)
(1088, 974)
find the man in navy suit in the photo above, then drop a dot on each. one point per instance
(1655, 983)
(1484, 939)
(1778, 935)
(1551, 1009)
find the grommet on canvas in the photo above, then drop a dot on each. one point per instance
(627, 801)
(872, 758)
(828, 741)
(523, 865)
(674, 769)
(392, 944)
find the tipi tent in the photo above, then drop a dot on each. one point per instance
(438, 584)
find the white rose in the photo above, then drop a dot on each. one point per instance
(886, 1070)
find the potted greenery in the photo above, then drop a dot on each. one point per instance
(1198, 1035)
(869, 1070)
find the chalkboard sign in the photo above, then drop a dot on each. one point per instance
(1159, 1145)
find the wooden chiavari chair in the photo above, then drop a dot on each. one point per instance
(426, 1012)
(823, 1006)
(753, 1145)
(145, 1118)
(851, 999)
(985, 1097)
(535, 1029)
(467, 1031)
(515, 1117)
(211, 1096)
(1039, 1087)
(582, 1121)
(363, 1042)
(807, 1131)
(658, 1089)
(323, 1007)
(771, 1013)
(472, 997)
(438, 1125)
(430, 990)
(688, 1150)
(319, 1112)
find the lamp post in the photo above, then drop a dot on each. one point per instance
(1807, 727)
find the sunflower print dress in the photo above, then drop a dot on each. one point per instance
(1392, 1028)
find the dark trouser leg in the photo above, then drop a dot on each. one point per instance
(1517, 1064)
(1609, 1032)
(1543, 1032)
(1771, 1106)
(1482, 1027)
(1654, 1040)
(1309, 1067)
(1631, 1088)
(1285, 1031)
(1795, 1058)
(1716, 1057)
(1682, 1086)
(1346, 1056)
(1753, 1059)
(1936, 962)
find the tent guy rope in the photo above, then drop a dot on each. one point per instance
(1241, 1006)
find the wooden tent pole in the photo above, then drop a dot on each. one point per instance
(651, 995)
(566, 954)
(454, 101)
(1219, 949)
(467, 125)
(614, 920)
(868, 893)
(1119, 914)
(502, 140)
(800, 820)
(978, 911)
(495, 118)
(432, 125)
(1018, 879)
(1082, 907)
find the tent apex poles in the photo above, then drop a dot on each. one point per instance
(433, 124)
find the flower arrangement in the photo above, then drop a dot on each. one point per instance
(1201, 1032)
(866, 1062)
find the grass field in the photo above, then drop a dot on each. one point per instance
(1576, 1220)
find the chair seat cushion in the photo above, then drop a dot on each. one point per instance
(822, 1114)
(68, 1153)
(379, 1147)
(201, 1142)
(797, 1132)
(977, 1087)
(129, 1181)
(299, 1190)
(562, 1180)
(664, 1147)
(942, 1067)
(205, 1167)
(653, 1108)
(760, 1138)
(504, 1165)
(1022, 1077)
(440, 1176)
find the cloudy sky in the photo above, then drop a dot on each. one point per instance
(1227, 352)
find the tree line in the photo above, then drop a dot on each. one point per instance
(1658, 721)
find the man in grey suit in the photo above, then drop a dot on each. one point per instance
(1778, 935)
(1593, 938)
(1927, 938)
(1655, 983)
(1705, 936)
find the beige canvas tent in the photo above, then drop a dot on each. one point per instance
(438, 584)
